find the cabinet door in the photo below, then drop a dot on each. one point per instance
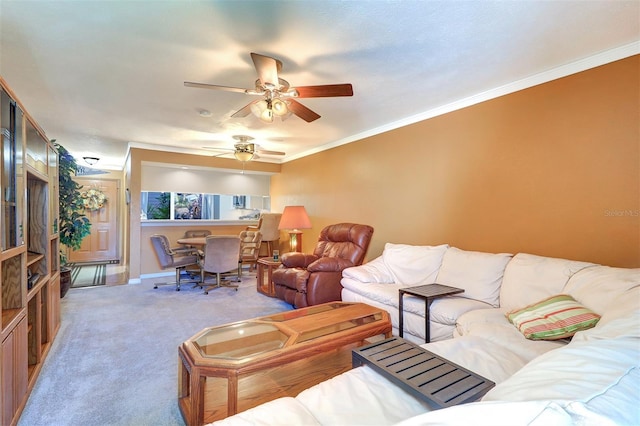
(54, 306)
(20, 367)
(14, 371)
(7, 380)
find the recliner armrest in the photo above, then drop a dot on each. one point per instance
(297, 260)
(329, 264)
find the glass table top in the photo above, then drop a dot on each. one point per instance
(246, 339)
(242, 340)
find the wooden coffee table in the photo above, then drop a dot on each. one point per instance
(231, 368)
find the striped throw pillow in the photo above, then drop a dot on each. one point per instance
(554, 318)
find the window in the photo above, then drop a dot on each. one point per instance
(195, 206)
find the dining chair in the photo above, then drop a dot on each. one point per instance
(221, 255)
(178, 258)
(268, 226)
(250, 242)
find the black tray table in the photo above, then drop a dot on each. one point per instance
(423, 374)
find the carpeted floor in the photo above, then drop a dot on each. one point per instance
(114, 360)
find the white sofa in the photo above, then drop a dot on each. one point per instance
(592, 379)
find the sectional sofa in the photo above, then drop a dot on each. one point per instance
(560, 338)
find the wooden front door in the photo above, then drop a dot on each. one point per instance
(102, 243)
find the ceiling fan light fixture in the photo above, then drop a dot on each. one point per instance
(279, 107)
(91, 160)
(258, 107)
(243, 156)
(267, 115)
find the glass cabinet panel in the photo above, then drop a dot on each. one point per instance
(11, 137)
(37, 149)
(53, 190)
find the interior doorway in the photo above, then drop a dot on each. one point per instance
(102, 244)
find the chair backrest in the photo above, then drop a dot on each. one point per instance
(348, 241)
(250, 242)
(269, 226)
(221, 253)
(163, 250)
(192, 233)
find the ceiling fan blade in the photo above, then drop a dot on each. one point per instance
(214, 87)
(302, 111)
(267, 69)
(267, 152)
(222, 154)
(324, 91)
(215, 148)
(246, 110)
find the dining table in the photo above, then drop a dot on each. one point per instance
(193, 241)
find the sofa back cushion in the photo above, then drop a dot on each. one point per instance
(479, 274)
(598, 286)
(620, 319)
(413, 265)
(529, 278)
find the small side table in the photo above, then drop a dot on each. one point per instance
(267, 288)
(429, 293)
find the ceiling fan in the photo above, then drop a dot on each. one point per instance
(244, 150)
(277, 94)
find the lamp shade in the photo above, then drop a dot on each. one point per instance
(294, 217)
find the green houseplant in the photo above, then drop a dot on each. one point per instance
(74, 226)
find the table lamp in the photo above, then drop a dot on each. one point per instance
(295, 218)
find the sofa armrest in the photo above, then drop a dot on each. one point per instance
(374, 271)
(329, 264)
(297, 260)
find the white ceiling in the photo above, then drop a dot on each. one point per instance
(99, 76)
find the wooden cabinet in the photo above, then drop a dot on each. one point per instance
(14, 371)
(29, 253)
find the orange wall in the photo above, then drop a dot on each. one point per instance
(552, 170)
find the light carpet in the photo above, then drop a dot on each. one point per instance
(115, 358)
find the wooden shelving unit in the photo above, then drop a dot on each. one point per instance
(29, 250)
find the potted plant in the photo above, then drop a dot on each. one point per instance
(74, 226)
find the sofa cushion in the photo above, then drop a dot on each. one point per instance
(360, 397)
(374, 271)
(603, 374)
(526, 413)
(413, 265)
(282, 411)
(554, 318)
(444, 311)
(479, 274)
(529, 278)
(620, 320)
(596, 287)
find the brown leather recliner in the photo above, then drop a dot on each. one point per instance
(310, 279)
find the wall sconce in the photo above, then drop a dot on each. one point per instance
(295, 218)
(91, 160)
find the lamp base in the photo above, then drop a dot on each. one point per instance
(295, 241)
